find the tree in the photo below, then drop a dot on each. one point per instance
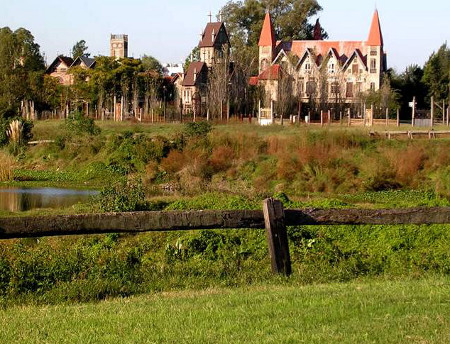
(149, 63)
(193, 56)
(79, 49)
(436, 74)
(291, 19)
(21, 70)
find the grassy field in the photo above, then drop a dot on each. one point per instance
(373, 311)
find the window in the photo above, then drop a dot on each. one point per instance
(307, 66)
(301, 86)
(355, 67)
(373, 65)
(335, 88)
(359, 87)
(264, 64)
(331, 68)
(372, 86)
(373, 51)
(311, 88)
(349, 93)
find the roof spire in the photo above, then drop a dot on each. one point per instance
(318, 31)
(267, 37)
(375, 35)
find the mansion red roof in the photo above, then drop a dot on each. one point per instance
(267, 37)
(195, 73)
(210, 35)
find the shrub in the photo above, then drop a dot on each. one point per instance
(80, 124)
(197, 129)
(123, 196)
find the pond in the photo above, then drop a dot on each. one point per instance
(23, 199)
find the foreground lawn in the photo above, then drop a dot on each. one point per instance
(360, 312)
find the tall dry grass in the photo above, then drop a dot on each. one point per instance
(6, 167)
(15, 132)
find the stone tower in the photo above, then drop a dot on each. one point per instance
(119, 46)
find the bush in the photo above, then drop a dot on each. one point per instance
(123, 196)
(80, 124)
(197, 129)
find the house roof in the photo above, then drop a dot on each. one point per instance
(375, 35)
(58, 60)
(267, 37)
(322, 48)
(88, 62)
(195, 69)
(271, 73)
(253, 81)
(208, 39)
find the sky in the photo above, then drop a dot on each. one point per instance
(169, 29)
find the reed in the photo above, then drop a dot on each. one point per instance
(15, 132)
(6, 167)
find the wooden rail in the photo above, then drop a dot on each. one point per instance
(273, 218)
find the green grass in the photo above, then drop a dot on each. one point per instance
(368, 311)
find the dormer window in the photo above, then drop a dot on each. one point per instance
(307, 66)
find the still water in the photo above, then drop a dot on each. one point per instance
(23, 199)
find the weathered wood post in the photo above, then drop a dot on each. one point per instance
(398, 117)
(432, 112)
(277, 236)
(321, 118)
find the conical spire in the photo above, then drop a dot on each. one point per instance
(375, 35)
(318, 31)
(267, 37)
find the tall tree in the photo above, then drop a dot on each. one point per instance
(291, 19)
(437, 74)
(21, 69)
(80, 49)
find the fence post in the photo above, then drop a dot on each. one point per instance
(277, 237)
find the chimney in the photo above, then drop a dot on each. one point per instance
(213, 35)
(195, 74)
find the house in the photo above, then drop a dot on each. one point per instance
(319, 70)
(84, 62)
(58, 69)
(214, 48)
(194, 88)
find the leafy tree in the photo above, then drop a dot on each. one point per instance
(149, 63)
(193, 56)
(437, 74)
(79, 49)
(291, 19)
(21, 69)
(409, 84)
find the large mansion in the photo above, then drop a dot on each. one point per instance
(330, 70)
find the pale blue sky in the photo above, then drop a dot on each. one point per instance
(169, 29)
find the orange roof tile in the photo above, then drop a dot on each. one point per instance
(344, 49)
(267, 37)
(375, 35)
(270, 73)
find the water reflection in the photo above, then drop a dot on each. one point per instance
(23, 199)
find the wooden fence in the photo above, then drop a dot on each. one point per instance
(273, 218)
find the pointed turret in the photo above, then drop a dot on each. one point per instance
(266, 44)
(318, 31)
(375, 35)
(267, 38)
